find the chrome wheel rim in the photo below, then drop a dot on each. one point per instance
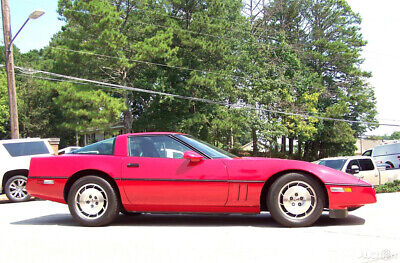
(91, 201)
(17, 189)
(297, 200)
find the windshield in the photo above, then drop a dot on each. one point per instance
(335, 164)
(105, 147)
(206, 148)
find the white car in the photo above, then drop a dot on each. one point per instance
(362, 167)
(15, 157)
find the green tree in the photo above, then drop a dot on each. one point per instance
(4, 112)
(83, 108)
(181, 34)
(325, 36)
(395, 136)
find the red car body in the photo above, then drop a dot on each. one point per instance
(227, 185)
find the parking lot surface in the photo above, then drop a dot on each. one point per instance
(43, 231)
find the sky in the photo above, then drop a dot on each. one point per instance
(380, 28)
(37, 33)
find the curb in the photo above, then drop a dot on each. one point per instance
(4, 199)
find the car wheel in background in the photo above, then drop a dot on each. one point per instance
(295, 200)
(15, 189)
(92, 201)
(390, 164)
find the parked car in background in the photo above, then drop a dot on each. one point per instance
(175, 173)
(387, 153)
(15, 157)
(68, 150)
(362, 167)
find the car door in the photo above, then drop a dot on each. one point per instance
(368, 172)
(155, 173)
(365, 173)
(350, 164)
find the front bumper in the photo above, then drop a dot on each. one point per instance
(351, 196)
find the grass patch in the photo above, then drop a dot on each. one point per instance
(389, 187)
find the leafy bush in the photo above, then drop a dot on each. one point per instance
(389, 187)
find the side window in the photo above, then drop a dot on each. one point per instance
(156, 147)
(366, 165)
(367, 153)
(105, 147)
(351, 163)
(26, 148)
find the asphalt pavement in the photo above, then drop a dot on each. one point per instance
(43, 231)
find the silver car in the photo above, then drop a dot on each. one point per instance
(385, 154)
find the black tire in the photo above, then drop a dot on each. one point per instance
(304, 200)
(15, 189)
(390, 164)
(92, 201)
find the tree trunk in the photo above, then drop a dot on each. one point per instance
(255, 141)
(283, 144)
(306, 150)
(275, 144)
(128, 118)
(299, 146)
(76, 139)
(231, 138)
(291, 145)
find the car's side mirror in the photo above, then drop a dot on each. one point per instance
(354, 169)
(194, 157)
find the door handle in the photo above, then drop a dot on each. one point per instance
(132, 165)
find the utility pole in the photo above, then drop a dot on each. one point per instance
(12, 94)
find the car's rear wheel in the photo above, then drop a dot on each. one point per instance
(295, 200)
(92, 201)
(15, 189)
(391, 166)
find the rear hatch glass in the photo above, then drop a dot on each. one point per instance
(26, 148)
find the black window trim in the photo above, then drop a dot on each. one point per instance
(190, 146)
(166, 135)
(358, 164)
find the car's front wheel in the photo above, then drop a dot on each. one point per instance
(295, 200)
(92, 201)
(15, 189)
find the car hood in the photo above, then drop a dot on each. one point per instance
(256, 168)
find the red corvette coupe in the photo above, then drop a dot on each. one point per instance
(173, 172)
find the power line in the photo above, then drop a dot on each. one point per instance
(155, 64)
(221, 103)
(144, 62)
(52, 79)
(151, 63)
